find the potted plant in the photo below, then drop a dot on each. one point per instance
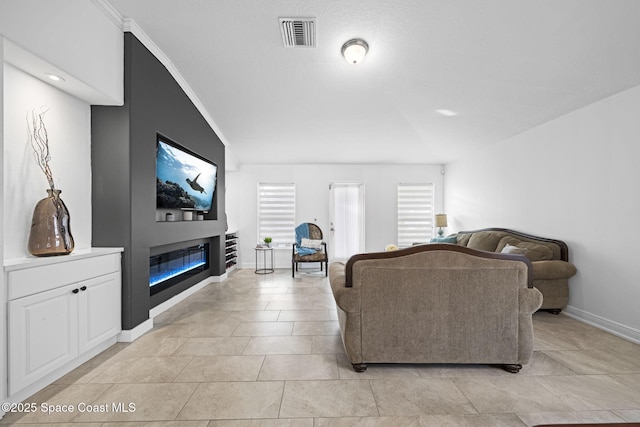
(267, 241)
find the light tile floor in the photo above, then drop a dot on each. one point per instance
(265, 351)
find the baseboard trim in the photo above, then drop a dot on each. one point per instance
(607, 325)
(130, 335)
(221, 278)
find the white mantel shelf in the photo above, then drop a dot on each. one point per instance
(78, 254)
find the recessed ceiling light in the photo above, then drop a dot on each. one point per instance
(54, 77)
(447, 113)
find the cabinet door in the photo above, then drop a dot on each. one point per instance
(99, 310)
(43, 335)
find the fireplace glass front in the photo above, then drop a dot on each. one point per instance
(172, 267)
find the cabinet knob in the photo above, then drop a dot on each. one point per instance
(75, 291)
(84, 288)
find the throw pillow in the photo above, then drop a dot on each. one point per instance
(534, 251)
(514, 250)
(310, 243)
(390, 248)
(448, 239)
(507, 240)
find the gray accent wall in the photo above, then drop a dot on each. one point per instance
(123, 157)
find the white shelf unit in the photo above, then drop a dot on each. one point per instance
(231, 251)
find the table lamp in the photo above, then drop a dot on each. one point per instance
(441, 221)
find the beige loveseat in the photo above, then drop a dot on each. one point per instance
(437, 303)
(549, 257)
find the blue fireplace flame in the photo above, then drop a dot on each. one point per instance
(168, 273)
(172, 264)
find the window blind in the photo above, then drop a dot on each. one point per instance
(415, 213)
(277, 213)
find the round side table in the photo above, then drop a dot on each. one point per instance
(267, 261)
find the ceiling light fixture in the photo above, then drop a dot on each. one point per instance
(54, 77)
(447, 113)
(354, 50)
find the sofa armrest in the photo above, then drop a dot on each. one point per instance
(553, 269)
(347, 298)
(530, 300)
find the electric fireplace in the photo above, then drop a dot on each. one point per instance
(170, 268)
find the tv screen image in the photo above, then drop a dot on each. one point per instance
(183, 179)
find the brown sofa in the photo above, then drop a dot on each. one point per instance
(549, 257)
(437, 303)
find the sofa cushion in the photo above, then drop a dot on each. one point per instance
(485, 241)
(463, 238)
(534, 251)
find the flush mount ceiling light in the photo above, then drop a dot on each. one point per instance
(54, 77)
(354, 50)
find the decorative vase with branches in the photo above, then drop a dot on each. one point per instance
(50, 232)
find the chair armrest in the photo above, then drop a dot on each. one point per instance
(553, 269)
(348, 299)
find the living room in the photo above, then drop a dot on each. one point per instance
(570, 177)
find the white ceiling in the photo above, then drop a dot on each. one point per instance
(504, 65)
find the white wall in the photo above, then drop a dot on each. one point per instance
(575, 179)
(68, 123)
(312, 199)
(3, 336)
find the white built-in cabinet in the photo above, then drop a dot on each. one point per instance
(60, 312)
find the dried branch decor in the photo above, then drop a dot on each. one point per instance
(50, 232)
(39, 140)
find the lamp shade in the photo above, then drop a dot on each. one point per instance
(441, 220)
(354, 50)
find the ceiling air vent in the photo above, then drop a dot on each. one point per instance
(298, 32)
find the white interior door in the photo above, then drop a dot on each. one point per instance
(347, 220)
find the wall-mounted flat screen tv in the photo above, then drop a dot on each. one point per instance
(184, 180)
